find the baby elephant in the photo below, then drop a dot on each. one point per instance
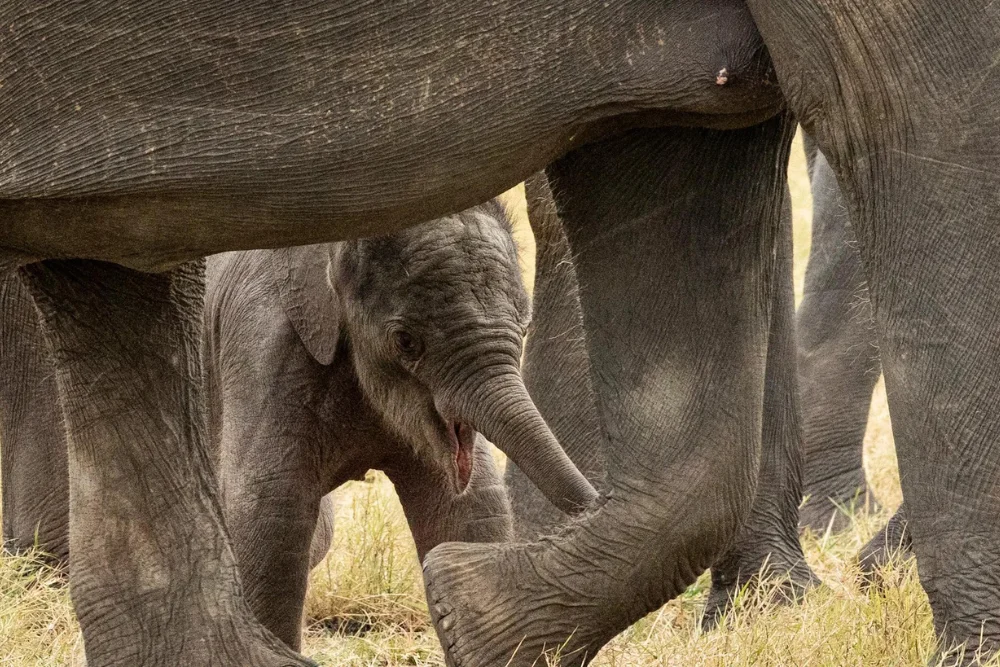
(392, 353)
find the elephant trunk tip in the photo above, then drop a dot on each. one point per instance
(504, 413)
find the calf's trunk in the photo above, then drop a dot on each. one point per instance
(502, 411)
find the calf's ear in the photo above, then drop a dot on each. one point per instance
(302, 276)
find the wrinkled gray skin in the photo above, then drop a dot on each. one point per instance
(838, 369)
(33, 449)
(893, 541)
(557, 373)
(838, 359)
(149, 136)
(308, 386)
(32, 438)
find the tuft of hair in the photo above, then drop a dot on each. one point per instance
(497, 209)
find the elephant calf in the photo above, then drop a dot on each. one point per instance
(325, 361)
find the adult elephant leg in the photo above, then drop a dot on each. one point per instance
(768, 546)
(838, 360)
(922, 184)
(556, 366)
(32, 438)
(673, 232)
(146, 531)
(557, 373)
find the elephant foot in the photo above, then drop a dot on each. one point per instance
(833, 511)
(505, 605)
(219, 642)
(769, 584)
(891, 544)
(199, 634)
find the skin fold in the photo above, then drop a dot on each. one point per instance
(147, 137)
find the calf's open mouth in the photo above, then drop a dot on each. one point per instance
(463, 439)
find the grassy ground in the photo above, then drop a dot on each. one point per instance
(366, 606)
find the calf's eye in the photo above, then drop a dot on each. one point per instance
(407, 343)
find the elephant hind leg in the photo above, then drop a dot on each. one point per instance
(837, 361)
(768, 551)
(154, 578)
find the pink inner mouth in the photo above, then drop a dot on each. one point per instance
(463, 439)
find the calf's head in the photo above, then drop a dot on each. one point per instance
(433, 318)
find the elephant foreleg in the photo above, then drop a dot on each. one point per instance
(768, 546)
(673, 232)
(838, 360)
(32, 437)
(146, 530)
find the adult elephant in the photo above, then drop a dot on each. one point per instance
(281, 136)
(147, 136)
(921, 190)
(920, 185)
(557, 372)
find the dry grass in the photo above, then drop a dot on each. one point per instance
(366, 603)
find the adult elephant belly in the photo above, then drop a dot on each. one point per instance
(151, 136)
